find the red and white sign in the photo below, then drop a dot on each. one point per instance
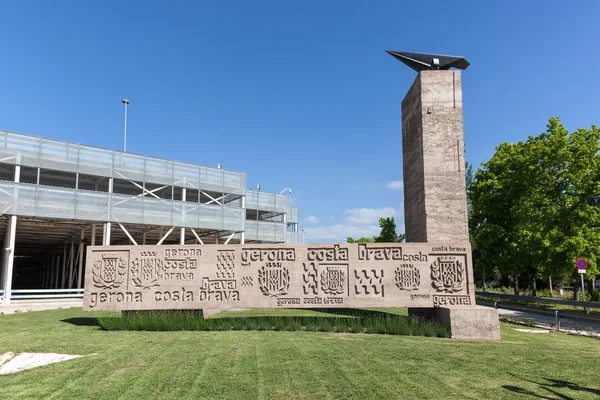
(581, 265)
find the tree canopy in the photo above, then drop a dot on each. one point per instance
(387, 235)
(388, 231)
(361, 240)
(535, 205)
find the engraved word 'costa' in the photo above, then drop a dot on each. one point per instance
(328, 254)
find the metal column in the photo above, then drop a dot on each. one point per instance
(9, 257)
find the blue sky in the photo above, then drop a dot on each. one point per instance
(297, 94)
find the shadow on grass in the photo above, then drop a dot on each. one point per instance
(83, 321)
(549, 387)
(556, 383)
(345, 320)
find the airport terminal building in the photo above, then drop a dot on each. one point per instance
(58, 197)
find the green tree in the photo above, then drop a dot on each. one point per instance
(388, 231)
(361, 240)
(470, 179)
(535, 206)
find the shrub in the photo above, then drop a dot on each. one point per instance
(544, 293)
(365, 321)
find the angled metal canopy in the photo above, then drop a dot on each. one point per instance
(422, 61)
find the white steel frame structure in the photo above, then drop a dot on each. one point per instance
(57, 197)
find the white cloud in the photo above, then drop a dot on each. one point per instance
(339, 232)
(311, 219)
(395, 185)
(358, 222)
(368, 215)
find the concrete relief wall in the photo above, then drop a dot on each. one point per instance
(272, 276)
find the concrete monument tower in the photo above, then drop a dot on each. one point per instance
(435, 198)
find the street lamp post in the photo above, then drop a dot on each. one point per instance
(288, 189)
(125, 101)
(303, 232)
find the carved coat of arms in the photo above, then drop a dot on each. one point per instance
(407, 277)
(109, 271)
(147, 272)
(273, 279)
(333, 280)
(447, 274)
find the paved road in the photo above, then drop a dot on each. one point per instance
(547, 320)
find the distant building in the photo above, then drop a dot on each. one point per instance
(58, 197)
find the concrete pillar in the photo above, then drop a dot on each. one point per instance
(57, 269)
(51, 266)
(71, 265)
(106, 234)
(9, 257)
(243, 234)
(182, 232)
(435, 197)
(144, 236)
(108, 225)
(93, 241)
(81, 255)
(64, 266)
(6, 274)
(50, 275)
(48, 272)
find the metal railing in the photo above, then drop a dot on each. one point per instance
(292, 237)
(34, 151)
(292, 214)
(30, 200)
(26, 294)
(266, 231)
(38, 152)
(546, 300)
(265, 201)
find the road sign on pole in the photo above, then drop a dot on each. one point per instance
(581, 264)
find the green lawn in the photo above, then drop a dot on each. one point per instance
(291, 365)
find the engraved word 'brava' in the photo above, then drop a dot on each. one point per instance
(387, 253)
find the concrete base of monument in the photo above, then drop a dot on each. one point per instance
(465, 323)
